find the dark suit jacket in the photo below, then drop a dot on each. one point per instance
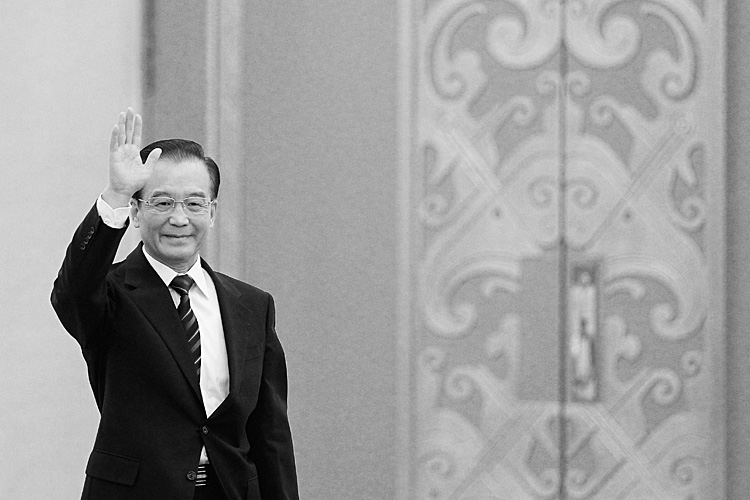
(153, 423)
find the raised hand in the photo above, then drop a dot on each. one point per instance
(127, 172)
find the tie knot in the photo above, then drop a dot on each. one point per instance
(182, 283)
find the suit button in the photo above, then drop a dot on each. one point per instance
(83, 246)
(204, 429)
(191, 475)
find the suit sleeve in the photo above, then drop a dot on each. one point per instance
(79, 295)
(268, 426)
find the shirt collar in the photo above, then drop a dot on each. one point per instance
(167, 274)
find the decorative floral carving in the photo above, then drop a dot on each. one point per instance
(536, 122)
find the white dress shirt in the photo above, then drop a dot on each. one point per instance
(214, 380)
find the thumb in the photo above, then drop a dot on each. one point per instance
(153, 157)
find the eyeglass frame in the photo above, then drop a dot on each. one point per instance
(186, 210)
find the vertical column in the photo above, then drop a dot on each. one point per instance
(174, 89)
(738, 250)
(224, 129)
(407, 58)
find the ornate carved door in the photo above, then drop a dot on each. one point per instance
(562, 327)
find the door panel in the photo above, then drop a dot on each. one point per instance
(484, 229)
(643, 161)
(562, 326)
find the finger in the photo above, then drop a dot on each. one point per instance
(129, 125)
(137, 128)
(113, 139)
(121, 129)
(153, 157)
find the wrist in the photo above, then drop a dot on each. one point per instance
(116, 199)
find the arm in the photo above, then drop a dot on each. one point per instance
(268, 426)
(79, 295)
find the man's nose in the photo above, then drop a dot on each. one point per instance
(178, 217)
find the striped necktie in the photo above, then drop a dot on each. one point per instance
(181, 284)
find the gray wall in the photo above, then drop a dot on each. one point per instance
(321, 233)
(68, 68)
(738, 245)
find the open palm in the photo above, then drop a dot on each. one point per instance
(127, 172)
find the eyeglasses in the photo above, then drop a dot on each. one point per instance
(164, 204)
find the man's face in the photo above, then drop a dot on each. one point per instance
(175, 237)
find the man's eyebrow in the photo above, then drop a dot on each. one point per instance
(160, 192)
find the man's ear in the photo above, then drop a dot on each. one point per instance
(134, 213)
(212, 212)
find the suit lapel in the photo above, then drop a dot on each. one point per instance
(236, 320)
(152, 297)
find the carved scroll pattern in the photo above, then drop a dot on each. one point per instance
(640, 154)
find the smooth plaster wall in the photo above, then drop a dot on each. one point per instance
(738, 250)
(68, 67)
(322, 147)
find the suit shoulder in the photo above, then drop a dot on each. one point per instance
(245, 288)
(118, 269)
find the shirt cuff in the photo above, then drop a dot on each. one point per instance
(113, 217)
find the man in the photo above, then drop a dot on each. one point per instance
(184, 362)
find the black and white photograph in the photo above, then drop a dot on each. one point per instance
(375, 250)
